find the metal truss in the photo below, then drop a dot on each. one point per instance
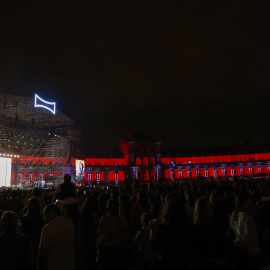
(41, 139)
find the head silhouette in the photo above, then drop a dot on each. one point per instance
(67, 178)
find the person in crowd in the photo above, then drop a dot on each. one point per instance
(190, 203)
(136, 187)
(102, 202)
(155, 206)
(125, 207)
(205, 239)
(174, 241)
(87, 232)
(57, 242)
(67, 193)
(138, 209)
(3, 199)
(247, 248)
(32, 222)
(14, 203)
(219, 211)
(142, 250)
(16, 250)
(1, 230)
(114, 193)
(37, 193)
(112, 241)
(171, 242)
(229, 199)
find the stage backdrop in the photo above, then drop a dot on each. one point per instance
(5, 171)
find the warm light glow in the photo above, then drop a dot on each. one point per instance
(50, 106)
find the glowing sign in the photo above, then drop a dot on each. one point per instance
(50, 106)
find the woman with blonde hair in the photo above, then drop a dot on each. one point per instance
(202, 213)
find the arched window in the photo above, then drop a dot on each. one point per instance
(138, 161)
(121, 176)
(152, 161)
(145, 161)
(111, 176)
(139, 175)
(146, 175)
(153, 175)
(167, 174)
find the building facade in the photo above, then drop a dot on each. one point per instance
(143, 160)
(39, 142)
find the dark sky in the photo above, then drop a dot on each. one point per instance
(195, 71)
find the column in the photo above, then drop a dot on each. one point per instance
(232, 172)
(180, 174)
(259, 169)
(197, 173)
(116, 178)
(206, 173)
(134, 173)
(241, 171)
(250, 170)
(223, 172)
(215, 173)
(106, 176)
(171, 173)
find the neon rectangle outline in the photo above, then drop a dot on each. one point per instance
(43, 106)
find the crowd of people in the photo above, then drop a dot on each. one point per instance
(193, 225)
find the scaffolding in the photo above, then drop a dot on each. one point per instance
(40, 140)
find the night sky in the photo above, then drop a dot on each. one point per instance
(197, 72)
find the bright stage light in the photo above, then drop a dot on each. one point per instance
(9, 155)
(5, 172)
(50, 106)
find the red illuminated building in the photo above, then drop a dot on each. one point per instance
(40, 144)
(143, 160)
